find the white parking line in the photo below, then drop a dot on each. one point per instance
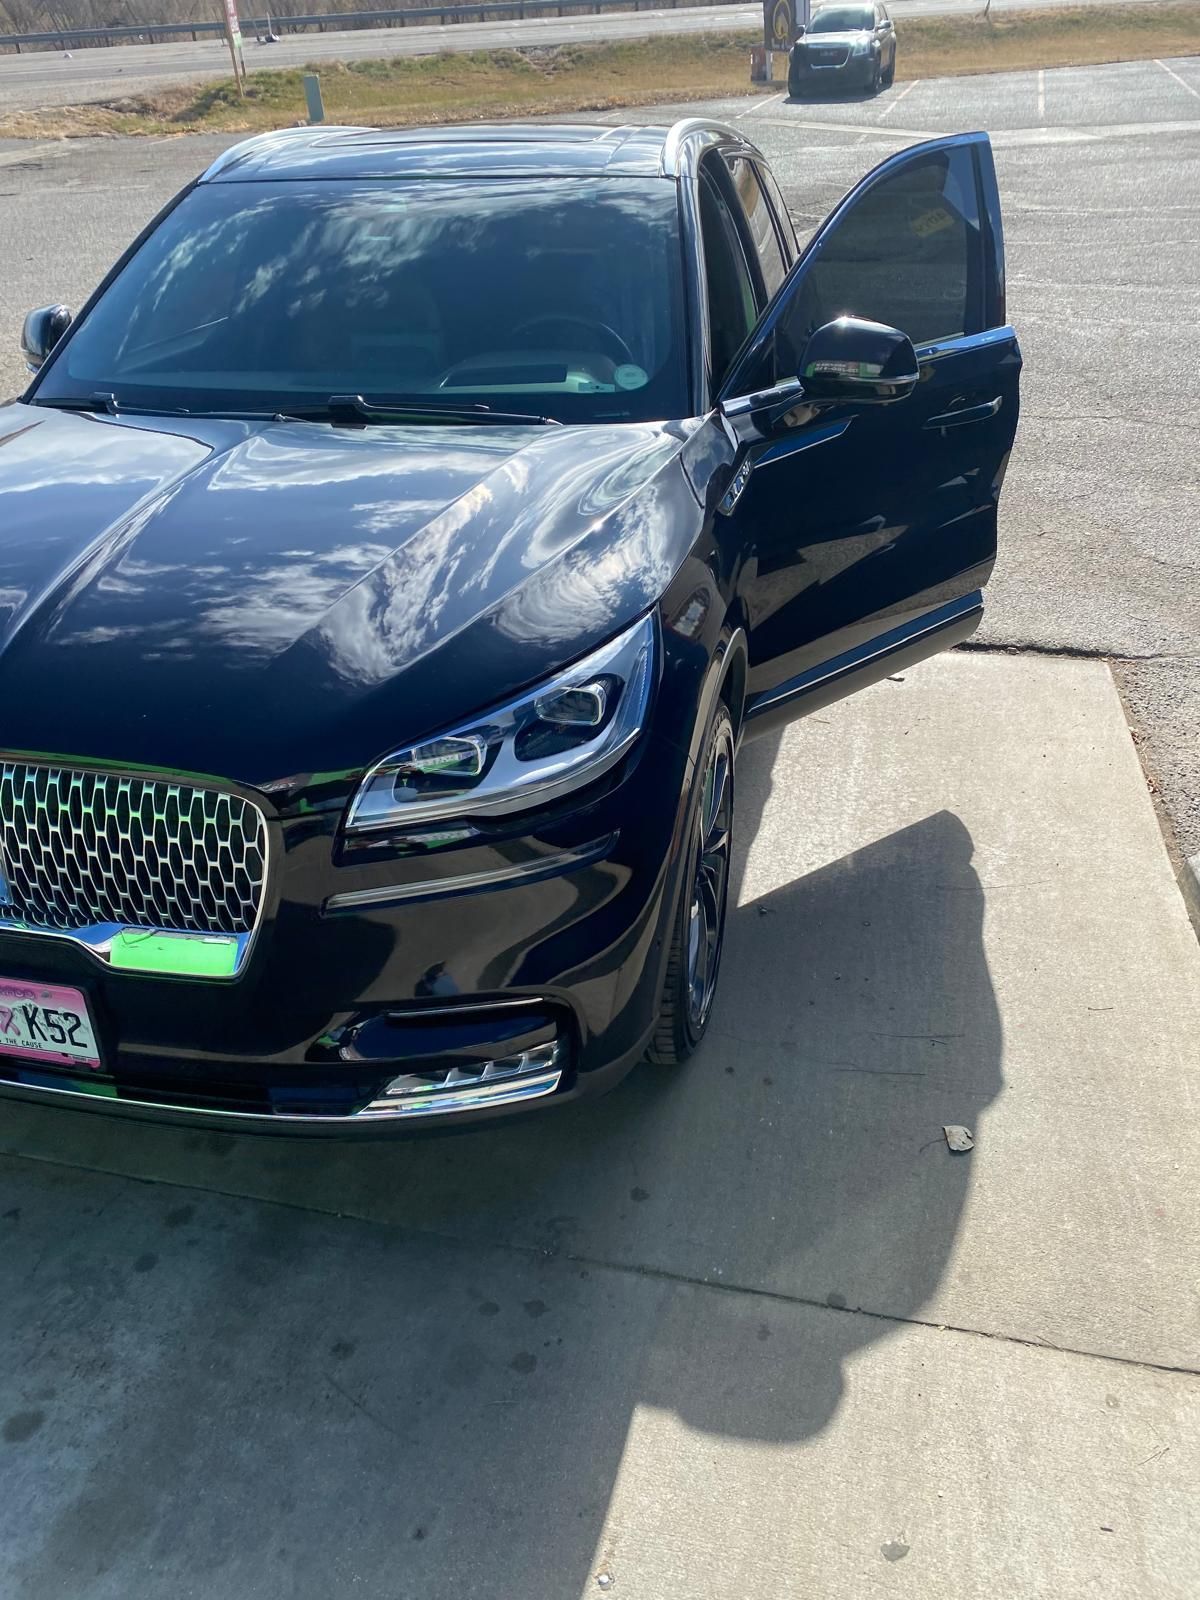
(759, 104)
(892, 104)
(1042, 95)
(1180, 81)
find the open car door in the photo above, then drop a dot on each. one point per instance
(868, 509)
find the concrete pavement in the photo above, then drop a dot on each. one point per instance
(747, 1329)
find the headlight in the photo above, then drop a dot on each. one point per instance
(860, 47)
(558, 737)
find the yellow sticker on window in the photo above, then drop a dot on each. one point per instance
(932, 222)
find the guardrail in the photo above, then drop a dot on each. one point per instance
(338, 21)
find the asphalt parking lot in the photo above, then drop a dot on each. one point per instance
(751, 1330)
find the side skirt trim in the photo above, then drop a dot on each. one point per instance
(855, 669)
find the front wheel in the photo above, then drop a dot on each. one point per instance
(877, 78)
(889, 76)
(699, 930)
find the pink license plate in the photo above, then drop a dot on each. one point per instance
(46, 1022)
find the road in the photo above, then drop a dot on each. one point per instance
(751, 1329)
(50, 78)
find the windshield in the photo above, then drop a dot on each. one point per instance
(561, 297)
(843, 19)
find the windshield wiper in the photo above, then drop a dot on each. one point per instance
(351, 410)
(346, 410)
(107, 403)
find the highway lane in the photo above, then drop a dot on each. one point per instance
(47, 78)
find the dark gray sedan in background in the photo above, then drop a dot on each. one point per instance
(848, 46)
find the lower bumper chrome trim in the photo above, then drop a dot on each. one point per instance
(479, 1097)
(504, 1082)
(467, 1097)
(149, 952)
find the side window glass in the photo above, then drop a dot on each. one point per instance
(783, 217)
(732, 309)
(762, 225)
(908, 253)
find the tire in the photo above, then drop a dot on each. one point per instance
(698, 934)
(877, 78)
(889, 76)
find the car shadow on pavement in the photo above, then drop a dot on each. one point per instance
(834, 96)
(469, 1381)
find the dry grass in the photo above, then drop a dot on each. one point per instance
(539, 82)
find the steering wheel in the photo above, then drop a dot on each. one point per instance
(586, 323)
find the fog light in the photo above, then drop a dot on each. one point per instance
(527, 1075)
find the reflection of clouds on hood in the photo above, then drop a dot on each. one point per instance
(267, 611)
(313, 455)
(528, 546)
(636, 551)
(392, 618)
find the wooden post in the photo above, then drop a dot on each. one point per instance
(233, 35)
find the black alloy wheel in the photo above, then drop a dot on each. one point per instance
(699, 933)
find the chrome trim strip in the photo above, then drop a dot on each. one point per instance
(440, 1101)
(852, 661)
(97, 941)
(466, 882)
(965, 341)
(463, 1100)
(671, 160)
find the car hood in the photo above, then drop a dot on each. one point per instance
(841, 41)
(257, 601)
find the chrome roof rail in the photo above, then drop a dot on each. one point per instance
(679, 133)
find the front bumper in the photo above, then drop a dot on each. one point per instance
(397, 987)
(857, 71)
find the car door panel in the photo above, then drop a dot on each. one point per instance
(861, 520)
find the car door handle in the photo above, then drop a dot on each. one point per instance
(959, 419)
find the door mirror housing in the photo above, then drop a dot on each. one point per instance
(43, 329)
(853, 360)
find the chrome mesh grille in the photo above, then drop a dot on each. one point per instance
(86, 848)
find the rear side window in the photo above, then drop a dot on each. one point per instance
(732, 308)
(761, 222)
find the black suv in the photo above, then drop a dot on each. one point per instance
(847, 46)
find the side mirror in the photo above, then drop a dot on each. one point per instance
(799, 30)
(43, 329)
(864, 362)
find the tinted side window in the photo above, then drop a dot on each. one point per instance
(758, 215)
(907, 253)
(732, 309)
(783, 216)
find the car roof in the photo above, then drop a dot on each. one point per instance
(513, 149)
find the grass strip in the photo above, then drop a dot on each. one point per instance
(462, 87)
